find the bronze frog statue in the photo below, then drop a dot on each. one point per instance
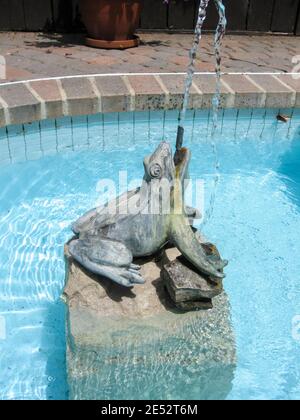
(110, 237)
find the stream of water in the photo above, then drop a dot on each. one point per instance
(220, 32)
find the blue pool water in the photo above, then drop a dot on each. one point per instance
(256, 223)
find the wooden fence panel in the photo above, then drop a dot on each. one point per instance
(298, 24)
(182, 14)
(211, 16)
(154, 15)
(17, 16)
(285, 16)
(260, 15)
(242, 15)
(77, 24)
(236, 12)
(38, 15)
(63, 15)
(5, 15)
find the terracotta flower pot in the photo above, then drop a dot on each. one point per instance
(111, 23)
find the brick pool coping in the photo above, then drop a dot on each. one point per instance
(49, 98)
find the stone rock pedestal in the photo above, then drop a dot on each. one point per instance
(135, 344)
(188, 289)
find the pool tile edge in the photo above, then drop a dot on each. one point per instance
(28, 101)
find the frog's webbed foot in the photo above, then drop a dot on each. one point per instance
(192, 214)
(107, 258)
(218, 263)
(212, 254)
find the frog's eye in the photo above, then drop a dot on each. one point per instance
(155, 170)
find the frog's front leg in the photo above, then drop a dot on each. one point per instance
(211, 251)
(184, 238)
(107, 258)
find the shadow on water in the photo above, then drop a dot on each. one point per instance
(290, 169)
(54, 345)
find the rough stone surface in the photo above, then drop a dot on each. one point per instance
(184, 284)
(81, 97)
(247, 94)
(175, 85)
(23, 106)
(278, 95)
(115, 96)
(148, 93)
(133, 343)
(294, 83)
(191, 305)
(207, 85)
(48, 90)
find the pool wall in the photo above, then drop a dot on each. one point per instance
(31, 141)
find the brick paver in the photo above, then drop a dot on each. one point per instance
(34, 55)
(23, 102)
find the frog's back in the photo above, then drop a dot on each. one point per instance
(126, 219)
(98, 218)
(143, 234)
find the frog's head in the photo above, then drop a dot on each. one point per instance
(161, 165)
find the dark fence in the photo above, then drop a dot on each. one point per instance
(243, 15)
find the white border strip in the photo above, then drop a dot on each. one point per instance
(6, 111)
(77, 76)
(64, 98)
(39, 99)
(131, 92)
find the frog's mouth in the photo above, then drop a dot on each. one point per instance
(182, 161)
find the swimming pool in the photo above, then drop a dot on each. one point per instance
(49, 173)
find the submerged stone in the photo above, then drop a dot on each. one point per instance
(134, 343)
(194, 305)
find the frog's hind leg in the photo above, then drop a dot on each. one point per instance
(107, 258)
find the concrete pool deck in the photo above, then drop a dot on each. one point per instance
(60, 76)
